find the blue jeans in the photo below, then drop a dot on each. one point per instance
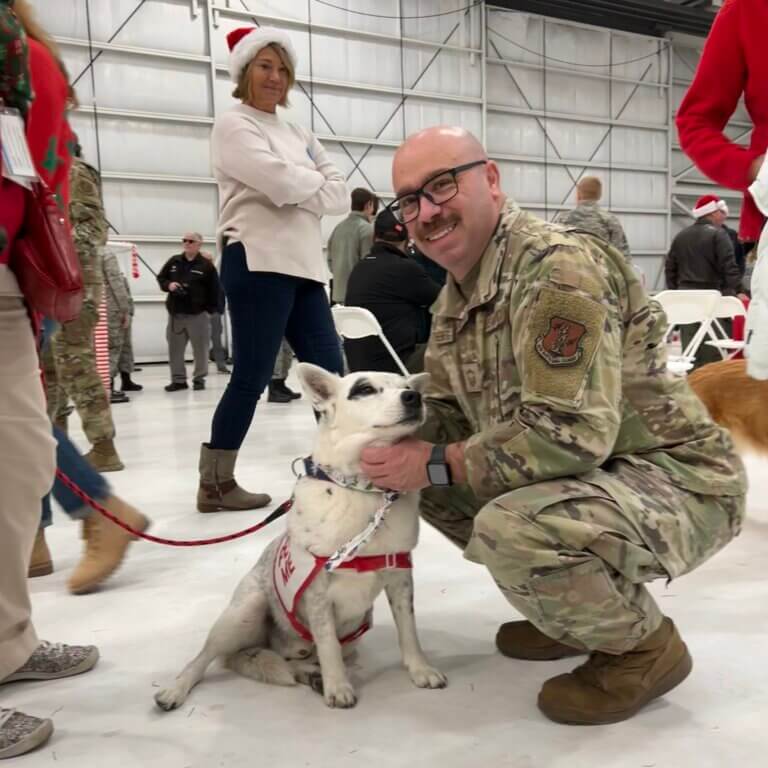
(264, 307)
(77, 469)
(73, 465)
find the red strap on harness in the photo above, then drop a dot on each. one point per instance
(367, 563)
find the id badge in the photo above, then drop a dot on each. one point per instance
(17, 160)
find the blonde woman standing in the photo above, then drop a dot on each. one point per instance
(275, 184)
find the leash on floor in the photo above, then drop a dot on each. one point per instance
(279, 512)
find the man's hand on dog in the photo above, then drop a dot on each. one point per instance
(403, 466)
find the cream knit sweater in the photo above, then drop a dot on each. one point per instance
(275, 182)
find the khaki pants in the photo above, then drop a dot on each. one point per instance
(573, 554)
(27, 464)
(184, 329)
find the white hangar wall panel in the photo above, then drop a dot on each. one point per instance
(565, 100)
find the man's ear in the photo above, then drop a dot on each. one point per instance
(419, 381)
(319, 385)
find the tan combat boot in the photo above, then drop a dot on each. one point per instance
(105, 544)
(521, 640)
(41, 563)
(103, 457)
(218, 489)
(609, 689)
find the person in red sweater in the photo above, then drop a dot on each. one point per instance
(733, 63)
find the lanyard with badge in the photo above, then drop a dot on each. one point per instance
(17, 165)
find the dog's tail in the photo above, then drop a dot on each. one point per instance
(735, 401)
(263, 665)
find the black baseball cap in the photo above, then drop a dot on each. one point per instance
(387, 227)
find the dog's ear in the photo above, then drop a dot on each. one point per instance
(419, 381)
(320, 385)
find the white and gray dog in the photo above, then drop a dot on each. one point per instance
(298, 612)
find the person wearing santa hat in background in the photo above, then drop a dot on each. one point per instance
(702, 258)
(275, 183)
(733, 63)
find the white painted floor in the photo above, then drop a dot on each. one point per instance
(154, 614)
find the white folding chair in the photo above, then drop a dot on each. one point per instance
(359, 323)
(727, 307)
(685, 308)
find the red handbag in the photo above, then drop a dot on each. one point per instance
(44, 258)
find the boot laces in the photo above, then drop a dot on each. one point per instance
(602, 666)
(6, 715)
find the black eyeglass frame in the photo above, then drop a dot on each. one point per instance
(421, 192)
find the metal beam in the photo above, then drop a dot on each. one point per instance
(132, 50)
(540, 160)
(370, 88)
(162, 117)
(575, 72)
(573, 118)
(346, 32)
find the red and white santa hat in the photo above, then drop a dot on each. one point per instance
(709, 204)
(245, 42)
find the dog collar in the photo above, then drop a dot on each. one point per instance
(330, 475)
(347, 551)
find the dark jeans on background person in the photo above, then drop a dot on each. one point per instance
(264, 307)
(76, 468)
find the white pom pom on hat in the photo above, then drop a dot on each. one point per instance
(709, 204)
(245, 42)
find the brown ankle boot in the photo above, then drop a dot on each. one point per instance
(41, 563)
(218, 489)
(105, 544)
(521, 640)
(609, 689)
(103, 457)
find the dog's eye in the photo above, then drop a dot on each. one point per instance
(362, 388)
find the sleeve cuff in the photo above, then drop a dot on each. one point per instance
(759, 188)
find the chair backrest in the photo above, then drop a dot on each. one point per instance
(358, 323)
(355, 322)
(729, 306)
(685, 307)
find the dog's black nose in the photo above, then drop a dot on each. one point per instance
(411, 398)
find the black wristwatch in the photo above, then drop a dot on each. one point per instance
(438, 469)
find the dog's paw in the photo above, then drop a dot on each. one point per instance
(427, 677)
(170, 698)
(340, 696)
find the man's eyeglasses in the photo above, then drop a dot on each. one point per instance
(187, 241)
(438, 190)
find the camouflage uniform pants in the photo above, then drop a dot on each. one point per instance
(283, 361)
(573, 554)
(120, 347)
(70, 372)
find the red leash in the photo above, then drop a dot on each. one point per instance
(279, 512)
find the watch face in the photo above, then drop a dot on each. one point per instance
(438, 474)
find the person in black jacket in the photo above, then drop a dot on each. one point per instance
(192, 284)
(397, 291)
(702, 258)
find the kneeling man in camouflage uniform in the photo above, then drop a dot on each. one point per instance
(559, 452)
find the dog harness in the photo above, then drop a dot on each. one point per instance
(295, 568)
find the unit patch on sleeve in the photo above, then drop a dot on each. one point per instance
(563, 333)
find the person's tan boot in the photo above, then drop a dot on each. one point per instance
(105, 544)
(218, 490)
(521, 640)
(41, 563)
(609, 689)
(103, 457)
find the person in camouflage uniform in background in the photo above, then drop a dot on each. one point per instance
(120, 310)
(70, 360)
(589, 216)
(581, 467)
(279, 391)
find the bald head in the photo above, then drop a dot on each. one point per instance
(589, 189)
(452, 142)
(458, 206)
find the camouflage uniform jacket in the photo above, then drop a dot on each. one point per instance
(89, 226)
(556, 364)
(592, 218)
(119, 300)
